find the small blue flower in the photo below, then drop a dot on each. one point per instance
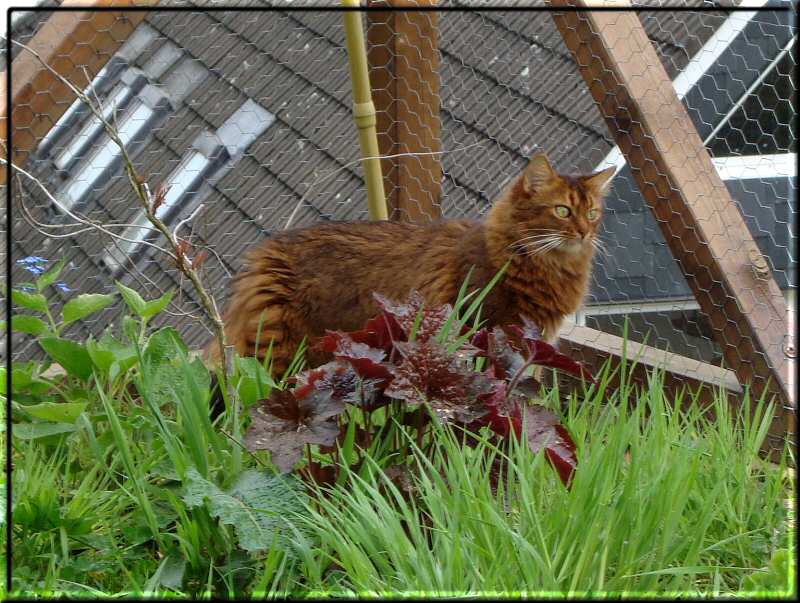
(33, 264)
(63, 287)
(26, 287)
(32, 259)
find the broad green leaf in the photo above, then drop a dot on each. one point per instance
(22, 323)
(49, 277)
(31, 301)
(125, 356)
(84, 305)
(174, 568)
(164, 345)
(70, 355)
(3, 325)
(102, 358)
(21, 375)
(132, 298)
(255, 383)
(257, 506)
(64, 412)
(155, 306)
(31, 431)
(130, 326)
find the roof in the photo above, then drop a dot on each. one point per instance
(507, 81)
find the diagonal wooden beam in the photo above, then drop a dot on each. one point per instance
(76, 44)
(700, 221)
(681, 375)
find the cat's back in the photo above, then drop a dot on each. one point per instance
(357, 241)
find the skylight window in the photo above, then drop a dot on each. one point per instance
(68, 117)
(211, 154)
(246, 124)
(133, 123)
(119, 97)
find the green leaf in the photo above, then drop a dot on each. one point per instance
(133, 299)
(164, 345)
(22, 323)
(31, 431)
(64, 412)
(31, 301)
(72, 356)
(49, 277)
(84, 305)
(130, 326)
(155, 306)
(254, 383)
(257, 506)
(102, 359)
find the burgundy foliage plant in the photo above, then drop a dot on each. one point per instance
(409, 357)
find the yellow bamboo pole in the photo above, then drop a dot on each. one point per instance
(364, 112)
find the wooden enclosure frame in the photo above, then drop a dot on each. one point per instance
(698, 218)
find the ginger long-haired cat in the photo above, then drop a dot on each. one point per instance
(307, 280)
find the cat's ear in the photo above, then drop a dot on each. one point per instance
(598, 182)
(539, 174)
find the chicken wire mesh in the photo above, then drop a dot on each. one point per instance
(246, 115)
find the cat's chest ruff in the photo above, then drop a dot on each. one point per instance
(545, 296)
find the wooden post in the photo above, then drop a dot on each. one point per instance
(70, 42)
(699, 220)
(404, 74)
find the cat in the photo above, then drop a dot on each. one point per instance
(301, 282)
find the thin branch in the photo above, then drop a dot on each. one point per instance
(96, 225)
(143, 194)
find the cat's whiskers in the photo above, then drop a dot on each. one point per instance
(542, 246)
(599, 245)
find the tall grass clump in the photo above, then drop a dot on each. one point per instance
(664, 501)
(426, 458)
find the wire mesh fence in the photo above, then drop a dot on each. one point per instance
(246, 116)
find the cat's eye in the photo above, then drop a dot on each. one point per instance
(593, 214)
(562, 211)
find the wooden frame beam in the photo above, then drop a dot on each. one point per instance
(682, 375)
(404, 75)
(77, 44)
(702, 225)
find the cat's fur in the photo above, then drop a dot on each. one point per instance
(307, 280)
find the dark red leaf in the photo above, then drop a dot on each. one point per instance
(367, 361)
(504, 413)
(544, 430)
(431, 323)
(283, 425)
(427, 373)
(336, 377)
(506, 357)
(480, 340)
(542, 353)
(379, 332)
(323, 475)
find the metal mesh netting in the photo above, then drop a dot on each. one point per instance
(247, 116)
